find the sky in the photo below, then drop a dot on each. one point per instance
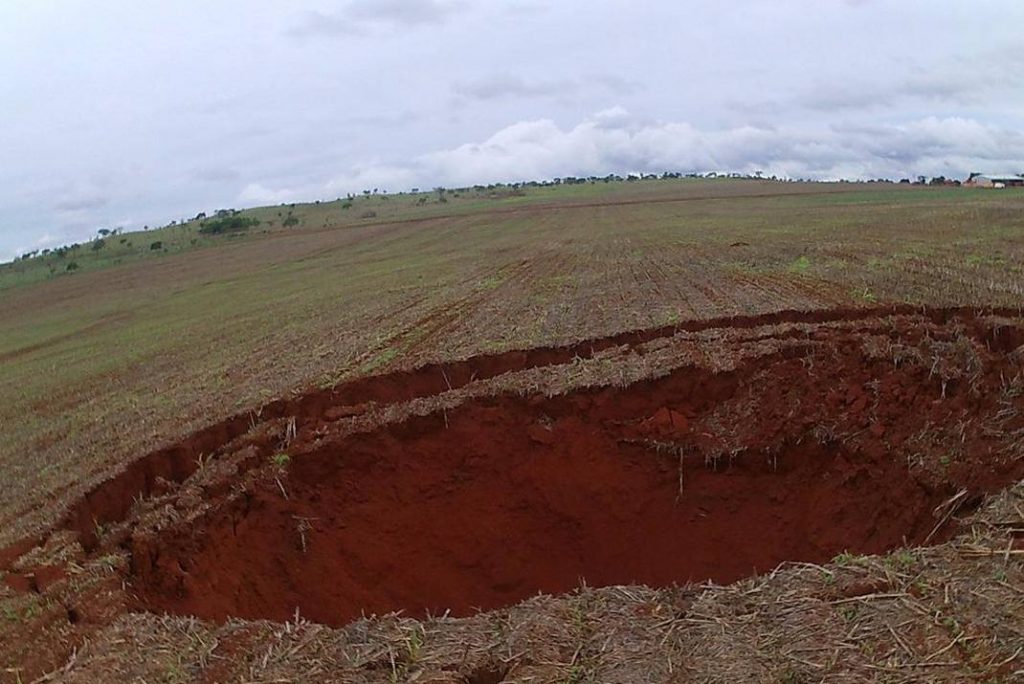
(119, 114)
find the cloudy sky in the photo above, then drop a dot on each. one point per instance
(123, 113)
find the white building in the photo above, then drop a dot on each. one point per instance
(989, 180)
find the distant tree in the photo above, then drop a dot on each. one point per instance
(98, 244)
(227, 224)
(103, 231)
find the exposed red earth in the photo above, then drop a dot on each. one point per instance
(470, 486)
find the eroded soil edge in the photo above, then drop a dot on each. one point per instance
(710, 450)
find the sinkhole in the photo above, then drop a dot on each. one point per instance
(694, 476)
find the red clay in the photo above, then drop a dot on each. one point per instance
(508, 496)
(111, 501)
(793, 456)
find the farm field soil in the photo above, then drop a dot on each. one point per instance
(354, 533)
(115, 361)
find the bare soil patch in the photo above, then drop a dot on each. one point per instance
(707, 451)
(514, 497)
(697, 475)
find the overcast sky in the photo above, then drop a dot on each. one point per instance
(124, 113)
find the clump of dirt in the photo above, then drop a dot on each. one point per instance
(698, 475)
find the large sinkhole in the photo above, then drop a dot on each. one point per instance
(690, 477)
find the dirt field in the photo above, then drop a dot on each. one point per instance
(443, 414)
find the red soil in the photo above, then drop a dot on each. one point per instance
(508, 496)
(111, 501)
(692, 476)
(481, 516)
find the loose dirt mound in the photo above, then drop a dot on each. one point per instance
(658, 458)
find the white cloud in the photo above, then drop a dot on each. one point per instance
(189, 106)
(77, 204)
(357, 16)
(506, 85)
(509, 85)
(404, 12)
(612, 141)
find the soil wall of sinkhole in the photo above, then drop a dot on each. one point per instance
(833, 443)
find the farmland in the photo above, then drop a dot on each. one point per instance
(681, 324)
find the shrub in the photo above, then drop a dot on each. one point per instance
(800, 265)
(156, 245)
(227, 224)
(98, 244)
(73, 266)
(290, 221)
